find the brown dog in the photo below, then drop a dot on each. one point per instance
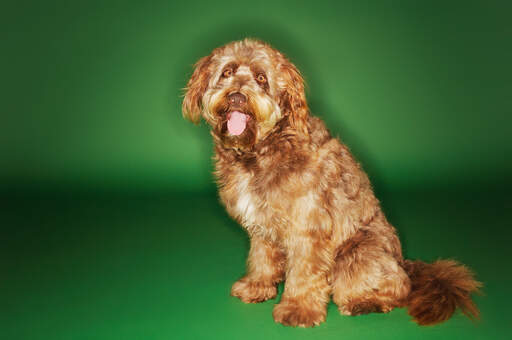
(307, 205)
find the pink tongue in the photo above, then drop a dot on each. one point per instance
(237, 122)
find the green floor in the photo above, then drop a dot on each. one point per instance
(161, 267)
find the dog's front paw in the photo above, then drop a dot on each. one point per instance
(250, 291)
(290, 312)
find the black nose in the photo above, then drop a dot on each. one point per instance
(237, 99)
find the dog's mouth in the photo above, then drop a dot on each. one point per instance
(236, 127)
(237, 122)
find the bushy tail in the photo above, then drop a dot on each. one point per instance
(437, 289)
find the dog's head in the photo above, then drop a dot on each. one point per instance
(243, 90)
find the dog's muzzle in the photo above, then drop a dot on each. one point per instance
(237, 118)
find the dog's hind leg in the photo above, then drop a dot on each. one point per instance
(366, 278)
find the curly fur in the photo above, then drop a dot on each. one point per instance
(438, 289)
(307, 205)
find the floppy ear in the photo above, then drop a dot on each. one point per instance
(293, 99)
(196, 86)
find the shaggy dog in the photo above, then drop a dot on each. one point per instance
(307, 205)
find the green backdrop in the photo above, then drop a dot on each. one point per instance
(112, 226)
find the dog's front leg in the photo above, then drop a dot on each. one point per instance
(265, 268)
(306, 293)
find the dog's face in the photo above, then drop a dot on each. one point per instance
(243, 89)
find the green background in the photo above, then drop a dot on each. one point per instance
(111, 225)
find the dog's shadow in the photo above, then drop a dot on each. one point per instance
(294, 49)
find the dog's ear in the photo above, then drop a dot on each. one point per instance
(293, 98)
(196, 86)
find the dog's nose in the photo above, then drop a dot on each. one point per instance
(237, 99)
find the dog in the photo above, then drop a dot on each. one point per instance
(307, 205)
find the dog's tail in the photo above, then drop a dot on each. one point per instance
(437, 289)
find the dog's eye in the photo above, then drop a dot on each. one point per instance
(227, 73)
(260, 78)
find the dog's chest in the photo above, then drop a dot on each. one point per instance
(256, 211)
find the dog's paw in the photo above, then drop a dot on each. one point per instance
(292, 313)
(250, 291)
